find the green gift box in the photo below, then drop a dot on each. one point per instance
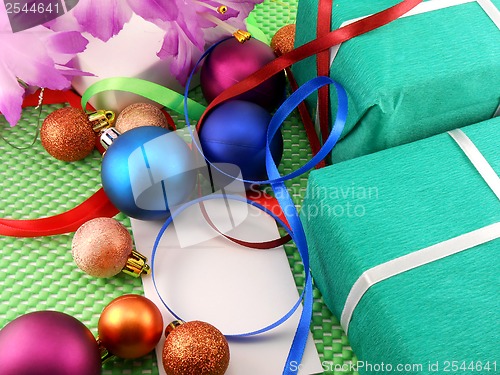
(433, 70)
(371, 221)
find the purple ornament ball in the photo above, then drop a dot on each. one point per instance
(231, 62)
(48, 343)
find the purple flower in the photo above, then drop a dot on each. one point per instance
(187, 25)
(37, 57)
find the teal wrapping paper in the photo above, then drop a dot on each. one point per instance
(369, 210)
(418, 76)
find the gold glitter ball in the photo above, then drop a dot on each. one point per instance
(195, 348)
(284, 39)
(101, 247)
(140, 114)
(67, 134)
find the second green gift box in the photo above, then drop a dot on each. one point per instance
(404, 246)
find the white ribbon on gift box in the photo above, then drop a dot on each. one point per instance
(435, 252)
(497, 112)
(428, 6)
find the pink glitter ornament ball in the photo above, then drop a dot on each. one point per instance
(231, 62)
(101, 247)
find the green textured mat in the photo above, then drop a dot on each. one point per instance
(39, 273)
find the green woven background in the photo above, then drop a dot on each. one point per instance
(39, 273)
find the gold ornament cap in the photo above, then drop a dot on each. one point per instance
(136, 265)
(101, 119)
(242, 35)
(106, 355)
(173, 325)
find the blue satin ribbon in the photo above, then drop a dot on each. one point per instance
(182, 208)
(294, 228)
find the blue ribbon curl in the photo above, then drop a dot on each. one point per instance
(294, 228)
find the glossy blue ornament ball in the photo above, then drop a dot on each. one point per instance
(235, 132)
(146, 170)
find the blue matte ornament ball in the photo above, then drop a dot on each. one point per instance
(235, 132)
(146, 170)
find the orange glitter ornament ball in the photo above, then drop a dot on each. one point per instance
(284, 39)
(67, 134)
(195, 348)
(130, 326)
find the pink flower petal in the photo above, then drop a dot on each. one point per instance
(36, 56)
(154, 10)
(102, 19)
(68, 22)
(185, 56)
(170, 47)
(192, 33)
(11, 96)
(63, 46)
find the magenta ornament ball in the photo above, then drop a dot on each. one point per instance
(231, 62)
(48, 343)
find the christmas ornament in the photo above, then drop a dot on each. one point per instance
(146, 170)
(195, 348)
(102, 247)
(140, 114)
(48, 343)
(284, 39)
(130, 326)
(68, 134)
(231, 62)
(235, 132)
